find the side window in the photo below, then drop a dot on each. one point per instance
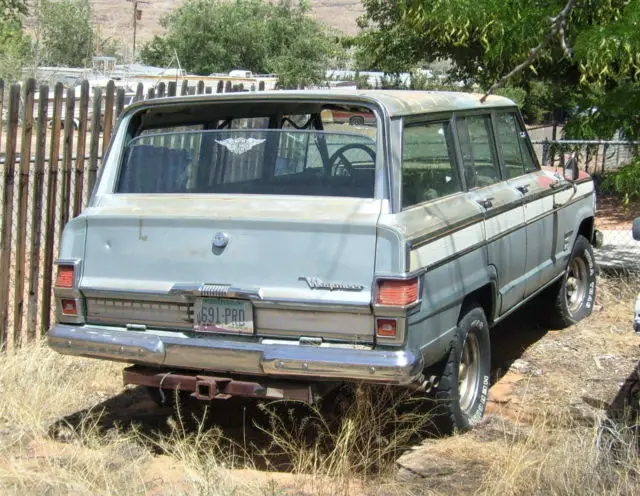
(480, 165)
(428, 165)
(513, 146)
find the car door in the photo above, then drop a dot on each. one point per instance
(504, 220)
(523, 174)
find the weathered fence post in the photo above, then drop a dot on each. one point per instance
(139, 92)
(67, 159)
(172, 88)
(52, 190)
(22, 204)
(1, 120)
(200, 90)
(108, 116)
(151, 93)
(94, 145)
(227, 87)
(184, 87)
(220, 87)
(119, 104)
(33, 330)
(162, 87)
(83, 115)
(7, 213)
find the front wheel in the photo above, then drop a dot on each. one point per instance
(572, 297)
(463, 388)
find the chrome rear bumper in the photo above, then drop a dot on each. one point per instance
(238, 356)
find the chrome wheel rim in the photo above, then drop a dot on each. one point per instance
(576, 284)
(469, 372)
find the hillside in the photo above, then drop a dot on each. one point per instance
(115, 16)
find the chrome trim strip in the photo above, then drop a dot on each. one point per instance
(508, 231)
(457, 255)
(241, 355)
(209, 290)
(425, 238)
(315, 305)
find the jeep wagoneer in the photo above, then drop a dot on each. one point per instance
(249, 245)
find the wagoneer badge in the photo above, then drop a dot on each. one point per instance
(317, 283)
(220, 240)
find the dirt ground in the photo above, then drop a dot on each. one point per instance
(613, 214)
(553, 426)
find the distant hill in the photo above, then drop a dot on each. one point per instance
(115, 16)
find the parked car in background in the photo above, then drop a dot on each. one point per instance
(238, 245)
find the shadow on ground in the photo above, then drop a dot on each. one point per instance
(243, 422)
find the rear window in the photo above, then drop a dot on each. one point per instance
(244, 160)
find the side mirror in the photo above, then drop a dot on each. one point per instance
(635, 230)
(571, 172)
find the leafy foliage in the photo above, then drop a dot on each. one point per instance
(12, 10)
(15, 48)
(68, 38)
(486, 39)
(14, 44)
(625, 182)
(211, 36)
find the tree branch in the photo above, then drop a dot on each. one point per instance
(558, 25)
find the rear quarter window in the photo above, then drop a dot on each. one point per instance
(428, 165)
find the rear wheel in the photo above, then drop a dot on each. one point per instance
(463, 387)
(572, 297)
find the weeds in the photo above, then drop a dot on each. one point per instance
(354, 451)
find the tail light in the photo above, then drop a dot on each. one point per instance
(397, 293)
(68, 298)
(387, 328)
(65, 278)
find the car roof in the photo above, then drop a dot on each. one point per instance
(396, 102)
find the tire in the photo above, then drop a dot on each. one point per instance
(356, 120)
(461, 395)
(572, 297)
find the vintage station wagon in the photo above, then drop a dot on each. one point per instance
(245, 245)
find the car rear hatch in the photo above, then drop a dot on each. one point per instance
(233, 264)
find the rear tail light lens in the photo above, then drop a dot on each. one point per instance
(69, 307)
(65, 276)
(387, 328)
(397, 293)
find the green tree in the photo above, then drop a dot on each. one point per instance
(257, 35)
(67, 37)
(584, 53)
(15, 45)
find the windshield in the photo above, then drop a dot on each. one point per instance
(250, 161)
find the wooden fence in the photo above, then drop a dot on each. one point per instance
(51, 144)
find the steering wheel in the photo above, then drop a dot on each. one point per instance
(348, 166)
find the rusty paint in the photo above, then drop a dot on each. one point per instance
(206, 388)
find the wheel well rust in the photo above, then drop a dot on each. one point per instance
(485, 297)
(586, 229)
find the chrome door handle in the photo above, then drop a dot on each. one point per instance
(486, 202)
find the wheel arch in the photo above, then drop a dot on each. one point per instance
(486, 297)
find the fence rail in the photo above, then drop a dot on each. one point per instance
(65, 137)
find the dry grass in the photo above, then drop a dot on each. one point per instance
(554, 435)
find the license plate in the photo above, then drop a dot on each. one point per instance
(221, 315)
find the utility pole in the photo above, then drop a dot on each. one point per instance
(137, 15)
